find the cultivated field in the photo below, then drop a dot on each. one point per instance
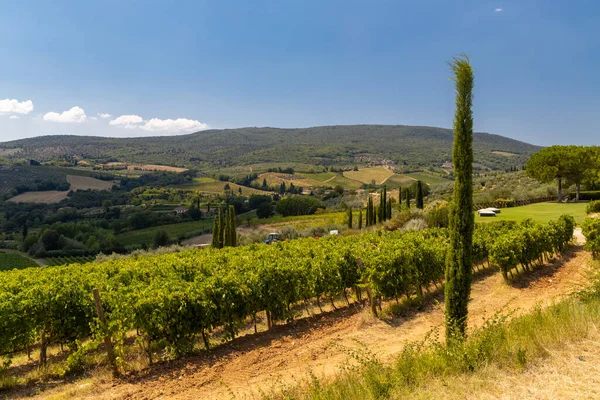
(319, 346)
(367, 175)
(85, 183)
(276, 178)
(504, 153)
(53, 196)
(541, 212)
(173, 230)
(14, 261)
(213, 186)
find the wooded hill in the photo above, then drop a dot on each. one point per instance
(324, 145)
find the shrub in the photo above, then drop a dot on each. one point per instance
(593, 207)
(436, 214)
(591, 230)
(161, 238)
(586, 195)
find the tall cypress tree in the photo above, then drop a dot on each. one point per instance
(360, 223)
(407, 197)
(388, 214)
(400, 198)
(230, 234)
(419, 196)
(384, 202)
(461, 219)
(349, 213)
(218, 228)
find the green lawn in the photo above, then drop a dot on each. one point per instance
(14, 261)
(173, 230)
(541, 212)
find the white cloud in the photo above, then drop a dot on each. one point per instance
(498, 10)
(127, 121)
(94, 118)
(104, 115)
(13, 117)
(73, 116)
(13, 106)
(174, 125)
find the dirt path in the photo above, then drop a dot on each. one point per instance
(323, 344)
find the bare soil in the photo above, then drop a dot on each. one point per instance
(321, 344)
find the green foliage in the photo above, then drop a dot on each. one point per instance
(161, 239)
(419, 195)
(593, 207)
(230, 233)
(571, 163)
(10, 261)
(349, 217)
(298, 205)
(591, 229)
(461, 219)
(527, 244)
(587, 195)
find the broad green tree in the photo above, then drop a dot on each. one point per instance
(461, 220)
(550, 163)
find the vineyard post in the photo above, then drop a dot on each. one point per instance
(107, 341)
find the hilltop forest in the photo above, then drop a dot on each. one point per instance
(415, 146)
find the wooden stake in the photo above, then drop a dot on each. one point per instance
(107, 342)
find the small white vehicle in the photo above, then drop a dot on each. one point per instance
(334, 232)
(486, 212)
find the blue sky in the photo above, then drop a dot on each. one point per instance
(168, 67)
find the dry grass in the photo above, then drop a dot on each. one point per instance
(503, 153)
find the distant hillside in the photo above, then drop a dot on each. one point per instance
(323, 145)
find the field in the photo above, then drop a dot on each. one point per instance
(314, 348)
(85, 182)
(52, 196)
(427, 178)
(14, 261)
(213, 186)
(174, 231)
(399, 180)
(541, 212)
(367, 175)
(53, 261)
(276, 178)
(504, 153)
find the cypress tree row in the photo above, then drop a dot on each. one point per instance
(360, 219)
(461, 220)
(230, 233)
(419, 196)
(218, 229)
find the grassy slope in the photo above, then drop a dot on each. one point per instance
(541, 212)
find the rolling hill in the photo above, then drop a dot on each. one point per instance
(324, 145)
